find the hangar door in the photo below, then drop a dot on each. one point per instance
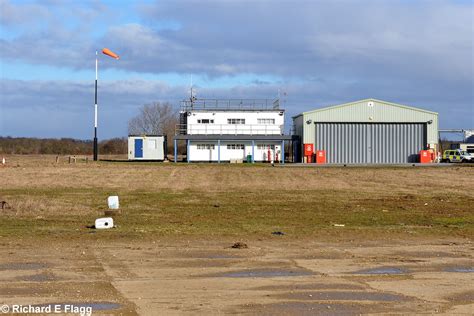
(370, 142)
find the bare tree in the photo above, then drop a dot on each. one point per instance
(155, 119)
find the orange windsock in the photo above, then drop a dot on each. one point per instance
(107, 51)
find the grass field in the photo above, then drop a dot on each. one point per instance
(170, 253)
(212, 200)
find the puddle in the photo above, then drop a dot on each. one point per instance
(219, 256)
(96, 306)
(381, 270)
(23, 266)
(43, 277)
(265, 273)
(344, 296)
(460, 269)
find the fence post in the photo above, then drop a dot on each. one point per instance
(175, 150)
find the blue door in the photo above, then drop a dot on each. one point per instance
(138, 148)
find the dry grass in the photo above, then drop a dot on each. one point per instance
(203, 199)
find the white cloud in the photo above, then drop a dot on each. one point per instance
(22, 15)
(282, 39)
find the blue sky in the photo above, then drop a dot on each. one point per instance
(321, 53)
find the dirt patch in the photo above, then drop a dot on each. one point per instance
(323, 256)
(42, 277)
(307, 309)
(265, 273)
(195, 263)
(343, 296)
(463, 297)
(220, 256)
(206, 255)
(430, 254)
(311, 286)
(25, 291)
(240, 245)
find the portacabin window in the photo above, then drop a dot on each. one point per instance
(238, 121)
(152, 144)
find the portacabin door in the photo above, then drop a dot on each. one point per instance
(138, 148)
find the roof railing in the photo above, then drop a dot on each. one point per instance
(230, 104)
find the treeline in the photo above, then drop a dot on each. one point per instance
(62, 146)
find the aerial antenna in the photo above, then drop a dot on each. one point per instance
(276, 103)
(192, 98)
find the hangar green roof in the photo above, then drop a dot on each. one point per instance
(406, 107)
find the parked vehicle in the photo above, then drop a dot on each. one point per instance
(457, 156)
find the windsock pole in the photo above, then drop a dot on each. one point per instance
(95, 110)
(110, 53)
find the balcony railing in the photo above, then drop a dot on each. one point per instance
(228, 129)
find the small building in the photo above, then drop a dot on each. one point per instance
(464, 147)
(232, 130)
(468, 139)
(367, 132)
(469, 136)
(147, 147)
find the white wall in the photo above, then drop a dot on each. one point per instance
(226, 154)
(221, 126)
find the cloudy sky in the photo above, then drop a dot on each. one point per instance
(321, 53)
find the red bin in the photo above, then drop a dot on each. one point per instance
(308, 149)
(320, 156)
(308, 152)
(425, 156)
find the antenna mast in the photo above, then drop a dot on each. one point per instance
(192, 98)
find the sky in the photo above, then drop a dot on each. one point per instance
(313, 53)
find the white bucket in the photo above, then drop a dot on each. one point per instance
(113, 202)
(104, 222)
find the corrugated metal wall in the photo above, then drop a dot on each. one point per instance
(370, 142)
